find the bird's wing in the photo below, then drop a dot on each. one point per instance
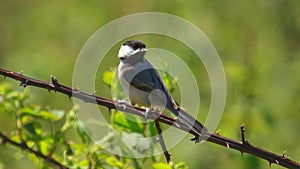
(146, 80)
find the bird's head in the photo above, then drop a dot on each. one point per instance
(132, 48)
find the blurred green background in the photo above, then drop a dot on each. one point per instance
(258, 43)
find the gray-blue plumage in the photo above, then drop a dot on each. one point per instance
(144, 86)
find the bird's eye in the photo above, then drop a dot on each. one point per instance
(136, 46)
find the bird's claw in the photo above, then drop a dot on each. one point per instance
(151, 114)
(197, 139)
(121, 104)
(147, 113)
(201, 137)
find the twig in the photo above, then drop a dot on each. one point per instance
(161, 141)
(244, 147)
(243, 133)
(23, 146)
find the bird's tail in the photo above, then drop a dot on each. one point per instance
(190, 122)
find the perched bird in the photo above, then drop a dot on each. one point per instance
(144, 86)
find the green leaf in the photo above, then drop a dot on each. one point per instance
(44, 146)
(65, 126)
(68, 151)
(4, 88)
(58, 113)
(13, 95)
(24, 95)
(33, 128)
(34, 111)
(83, 163)
(108, 77)
(135, 142)
(53, 115)
(161, 166)
(16, 138)
(152, 129)
(128, 122)
(114, 162)
(180, 165)
(82, 133)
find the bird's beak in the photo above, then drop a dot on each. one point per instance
(143, 50)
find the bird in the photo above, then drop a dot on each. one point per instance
(144, 86)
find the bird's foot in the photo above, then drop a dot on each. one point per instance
(202, 137)
(151, 113)
(121, 104)
(147, 113)
(197, 139)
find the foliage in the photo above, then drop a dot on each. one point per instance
(47, 131)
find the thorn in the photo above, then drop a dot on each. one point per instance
(283, 154)
(197, 139)
(75, 89)
(54, 81)
(200, 139)
(170, 163)
(277, 162)
(227, 145)
(243, 133)
(94, 93)
(24, 83)
(21, 72)
(52, 86)
(218, 132)
(70, 96)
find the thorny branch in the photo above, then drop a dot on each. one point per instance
(242, 146)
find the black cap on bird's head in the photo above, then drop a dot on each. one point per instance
(130, 48)
(135, 44)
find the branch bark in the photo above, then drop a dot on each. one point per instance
(243, 146)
